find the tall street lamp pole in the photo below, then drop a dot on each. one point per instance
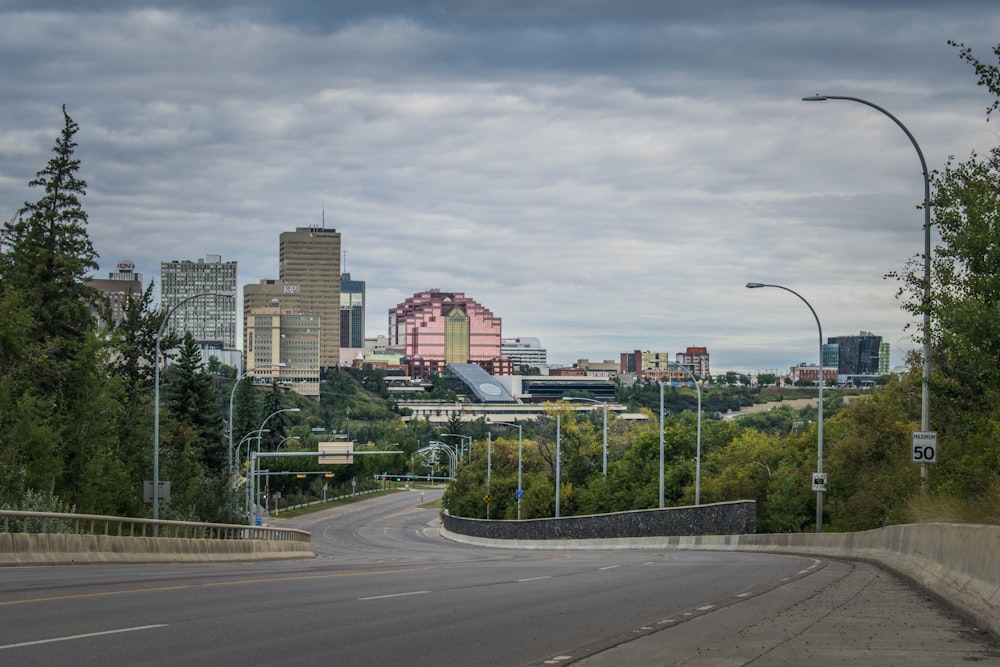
(232, 395)
(156, 396)
(253, 479)
(925, 394)
(697, 460)
(520, 449)
(819, 419)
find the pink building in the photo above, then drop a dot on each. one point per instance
(435, 328)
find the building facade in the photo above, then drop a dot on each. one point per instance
(208, 318)
(309, 270)
(117, 288)
(857, 355)
(432, 329)
(696, 359)
(524, 352)
(352, 312)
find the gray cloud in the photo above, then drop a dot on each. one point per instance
(603, 175)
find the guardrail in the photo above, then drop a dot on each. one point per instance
(54, 523)
(46, 538)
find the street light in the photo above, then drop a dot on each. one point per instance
(697, 464)
(232, 394)
(156, 396)
(463, 437)
(925, 393)
(253, 479)
(819, 419)
(605, 404)
(520, 433)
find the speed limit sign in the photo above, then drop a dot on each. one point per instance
(925, 447)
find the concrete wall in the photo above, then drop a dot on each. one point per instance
(959, 563)
(66, 549)
(714, 519)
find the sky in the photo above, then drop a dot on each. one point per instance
(605, 176)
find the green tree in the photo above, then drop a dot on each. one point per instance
(192, 401)
(964, 308)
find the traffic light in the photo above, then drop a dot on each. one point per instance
(300, 477)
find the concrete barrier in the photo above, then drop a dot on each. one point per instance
(68, 549)
(959, 563)
(45, 538)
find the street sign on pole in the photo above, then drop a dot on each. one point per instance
(819, 481)
(925, 446)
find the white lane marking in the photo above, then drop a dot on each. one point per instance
(535, 578)
(706, 607)
(610, 567)
(89, 634)
(394, 595)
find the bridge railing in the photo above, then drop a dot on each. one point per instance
(51, 523)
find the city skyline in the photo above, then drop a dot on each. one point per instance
(606, 177)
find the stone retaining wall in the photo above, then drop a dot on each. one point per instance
(714, 519)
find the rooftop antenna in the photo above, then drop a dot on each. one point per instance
(323, 215)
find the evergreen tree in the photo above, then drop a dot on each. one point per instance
(193, 402)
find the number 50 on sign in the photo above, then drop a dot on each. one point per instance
(925, 447)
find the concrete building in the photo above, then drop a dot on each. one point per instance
(696, 359)
(209, 318)
(432, 329)
(276, 332)
(309, 271)
(637, 366)
(524, 351)
(117, 288)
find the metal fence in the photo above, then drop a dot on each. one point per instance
(12, 521)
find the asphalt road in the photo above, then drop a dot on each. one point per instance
(385, 589)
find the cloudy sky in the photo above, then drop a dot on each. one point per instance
(603, 175)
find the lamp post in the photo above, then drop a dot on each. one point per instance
(156, 396)
(558, 461)
(489, 465)
(520, 449)
(819, 419)
(605, 404)
(463, 437)
(260, 435)
(697, 460)
(660, 382)
(925, 393)
(232, 395)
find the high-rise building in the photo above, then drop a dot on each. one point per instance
(434, 328)
(208, 318)
(116, 288)
(309, 269)
(284, 346)
(352, 312)
(857, 355)
(524, 351)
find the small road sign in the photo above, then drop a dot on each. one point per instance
(819, 481)
(925, 446)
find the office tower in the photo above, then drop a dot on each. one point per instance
(524, 351)
(435, 328)
(309, 268)
(281, 344)
(858, 355)
(208, 318)
(352, 312)
(116, 288)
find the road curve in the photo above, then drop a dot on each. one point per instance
(385, 588)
